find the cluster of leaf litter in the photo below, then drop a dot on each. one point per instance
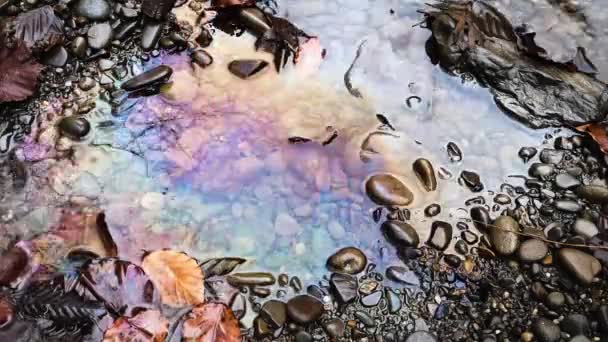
(69, 284)
(475, 39)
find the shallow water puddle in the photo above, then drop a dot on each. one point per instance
(207, 168)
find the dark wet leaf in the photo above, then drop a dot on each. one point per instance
(211, 322)
(298, 140)
(146, 325)
(220, 266)
(598, 132)
(119, 284)
(383, 120)
(177, 277)
(39, 28)
(18, 73)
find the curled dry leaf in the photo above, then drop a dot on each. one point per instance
(120, 285)
(177, 277)
(39, 28)
(15, 264)
(598, 133)
(147, 325)
(211, 322)
(18, 73)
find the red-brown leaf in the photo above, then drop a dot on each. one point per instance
(598, 133)
(211, 322)
(18, 73)
(146, 326)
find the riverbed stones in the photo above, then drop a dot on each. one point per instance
(274, 312)
(566, 181)
(387, 190)
(400, 234)
(555, 300)
(532, 250)
(545, 330)
(247, 68)
(74, 127)
(502, 235)
(585, 228)
(441, 235)
(251, 279)
(159, 74)
(549, 156)
(372, 299)
(426, 174)
(594, 193)
(99, 35)
(202, 58)
(349, 260)
(304, 309)
(471, 180)
(582, 266)
(344, 287)
(93, 9)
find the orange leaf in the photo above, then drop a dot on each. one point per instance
(177, 276)
(146, 326)
(598, 133)
(212, 322)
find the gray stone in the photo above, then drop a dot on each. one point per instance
(503, 235)
(151, 34)
(594, 193)
(569, 206)
(580, 265)
(274, 312)
(387, 190)
(545, 330)
(541, 170)
(93, 9)
(86, 83)
(99, 35)
(532, 250)
(422, 336)
(575, 324)
(585, 228)
(549, 156)
(566, 181)
(57, 56)
(527, 153)
(402, 275)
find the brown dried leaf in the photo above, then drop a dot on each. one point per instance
(18, 73)
(15, 263)
(177, 276)
(148, 325)
(87, 231)
(598, 133)
(211, 322)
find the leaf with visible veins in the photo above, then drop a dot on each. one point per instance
(211, 322)
(18, 73)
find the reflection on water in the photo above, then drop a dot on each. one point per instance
(206, 167)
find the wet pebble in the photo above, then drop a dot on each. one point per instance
(57, 56)
(78, 47)
(274, 312)
(93, 9)
(585, 228)
(461, 247)
(304, 309)
(432, 210)
(532, 250)
(251, 279)
(575, 324)
(202, 58)
(387, 190)
(422, 336)
(441, 235)
(545, 330)
(555, 300)
(594, 193)
(471, 180)
(566, 181)
(582, 266)
(527, 153)
(349, 260)
(481, 218)
(400, 234)
(502, 235)
(402, 275)
(296, 284)
(344, 287)
(601, 316)
(541, 170)
(549, 156)
(452, 260)
(247, 68)
(303, 336)
(426, 174)
(454, 152)
(155, 75)
(502, 199)
(205, 38)
(74, 127)
(151, 34)
(568, 206)
(371, 299)
(86, 83)
(334, 327)
(99, 35)
(365, 318)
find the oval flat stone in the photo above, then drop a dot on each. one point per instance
(594, 193)
(304, 309)
(99, 35)
(502, 235)
(274, 312)
(93, 9)
(202, 58)
(56, 57)
(426, 174)
(387, 190)
(78, 47)
(156, 75)
(249, 279)
(74, 127)
(532, 250)
(247, 68)
(151, 34)
(400, 234)
(349, 260)
(584, 267)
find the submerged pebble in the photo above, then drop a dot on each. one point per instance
(74, 127)
(153, 76)
(426, 174)
(349, 260)
(387, 190)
